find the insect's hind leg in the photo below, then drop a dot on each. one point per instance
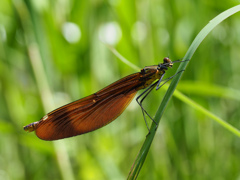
(144, 94)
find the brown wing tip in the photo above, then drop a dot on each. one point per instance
(31, 127)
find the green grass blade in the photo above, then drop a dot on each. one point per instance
(207, 89)
(36, 56)
(139, 161)
(123, 59)
(195, 105)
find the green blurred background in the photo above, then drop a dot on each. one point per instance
(52, 52)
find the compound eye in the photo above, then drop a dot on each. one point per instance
(166, 60)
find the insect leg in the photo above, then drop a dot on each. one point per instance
(145, 93)
(166, 80)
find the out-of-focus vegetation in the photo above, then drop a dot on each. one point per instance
(52, 52)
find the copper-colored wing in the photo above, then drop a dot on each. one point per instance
(89, 113)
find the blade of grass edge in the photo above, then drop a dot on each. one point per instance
(139, 161)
